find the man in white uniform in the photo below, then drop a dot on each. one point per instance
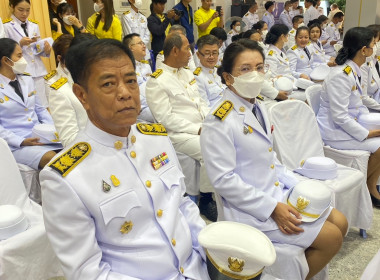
(332, 30)
(268, 16)
(251, 17)
(114, 205)
(285, 17)
(294, 8)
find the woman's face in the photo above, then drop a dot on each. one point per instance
(245, 62)
(69, 12)
(315, 34)
(21, 11)
(15, 56)
(256, 37)
(236, 28)
(302, 38)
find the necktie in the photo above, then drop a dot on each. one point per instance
(307, 53)
(360, 79)
(281, 55)
(256, 112)
(16, 86)
(319, 44)
(23, 26)
(377, 67)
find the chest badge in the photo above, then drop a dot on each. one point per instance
(126, 227)
(1, 100)
(247, 129)
(159, 161)
(6, 98)
(105, 186)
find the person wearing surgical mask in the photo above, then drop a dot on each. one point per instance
(67, 22)
(20, 109)
(237, 147)
(104, 23)
(52, 6)
(235, 30)
(262, 28)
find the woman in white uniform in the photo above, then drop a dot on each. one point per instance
(26, 31)
(341, 105)
(20, 109)
(300, 57)
(249, 178)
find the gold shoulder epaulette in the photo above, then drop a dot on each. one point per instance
(246, 15)
(7, 20)
(32, 20)
(259, 97)
(152, 129)
(265, 14)
(347, 70)
(26, 74)
(197, 71)
(71, 158)
(270, 52)
(223, 110)
(161, 52)
(292, 31)
(50, 75)
(294, 47)
(144, 61)
(59, 83)
(378, 58)
(186, 67)
(309, 43)
(156, 73)
(126, 13)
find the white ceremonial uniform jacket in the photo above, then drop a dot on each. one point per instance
(241, 163)
(133, 22)
(115, 217)
(341, 104)
(310, 14)
(370, 83)
(68, 113)
(269, 19)
(2, 32)
(160, 59)
(209, 83)
(333, 34)
(174, 100)
(318, 53)
(299, 62)
(278, 64)
(230, 34)
(17, 117)
(143, 72)
(291, 40)
(13, 30)
(286, 19)
(250, 19)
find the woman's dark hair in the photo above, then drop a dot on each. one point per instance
(247, 34)
(314, 22)
(233, 23)
(236, 37)
(14, 3)
(81, 37)
(109, 12)
(302, 28)
(7, 47)
(61, 10)
(315, 25)
(375, 29)
(156, 2)
(232, 52)
(313, 2)
(259, 25)
(322, 18)
(61, 46)
(355, 39)
(275, 33)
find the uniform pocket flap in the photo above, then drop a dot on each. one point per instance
(171, 177)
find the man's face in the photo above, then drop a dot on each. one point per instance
(138, 48)
(112, 98)
(208, 55)
(253, 9)
(206, 4)
(183, 56)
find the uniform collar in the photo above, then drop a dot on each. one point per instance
(240, 105)
(170, 69)
(105, 138)
(18, 21)
(354, 67)
(208, 70)
(62, 72)
(4, 81)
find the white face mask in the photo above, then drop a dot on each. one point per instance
(138, 4)
(19, 66)
(374, 53)
(261, 44)
(249, 84)
(98, 7)
(265, 32)
(323, 26)
(378, 48)
(301, 24)
(238, 28)
(66, 20)
(63, 1)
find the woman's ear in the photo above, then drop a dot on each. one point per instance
(228, 78)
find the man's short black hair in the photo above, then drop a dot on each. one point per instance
(81, 57)
(128, 38)
(268, 4)
(219, 33)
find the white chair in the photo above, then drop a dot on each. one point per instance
(297, 137)
(372, 270)
(27, 255)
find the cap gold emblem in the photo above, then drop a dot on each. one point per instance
(235, 264)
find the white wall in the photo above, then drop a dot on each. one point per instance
(361, 13)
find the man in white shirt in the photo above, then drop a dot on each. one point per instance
(333, 33)
(268, 16)
(297, 22)
(251, 17)
(294, 8)
(311, 12)
(285, 17)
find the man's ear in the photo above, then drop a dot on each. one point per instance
(81, 94)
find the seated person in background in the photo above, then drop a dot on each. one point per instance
(221, 34)
(176, 28)
(268, 17)
(20, 109)
(209, 83)
(110, 201)
(250, 180)
(341, 105)
(174, 100)
(251, 17)
(235, 30)
(262, 27)
(316, 48)
(66, 22)
(297, 22)
(255, 35)
(323, 22)
(68, 113)
(285, 17)
(300, 57)
(143, 71)
(333, 34)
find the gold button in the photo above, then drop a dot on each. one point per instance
(356, 119)
(182, 270)
(159, 212)
(32, 60)
(270, 149)
(133, 139)
(118, 145)
(148, 183)
(272, 166)
(173, 242)
(276, 184)
(242, 109)
(26, 109)
(133, 154)
(29, 119)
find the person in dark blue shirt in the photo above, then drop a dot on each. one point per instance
(187, 20)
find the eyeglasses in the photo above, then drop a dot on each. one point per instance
(263, 68)
(141, 43)
(208, 54)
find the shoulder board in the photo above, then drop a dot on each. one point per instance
(186, 67)
(161, 52)
(50, 75)
(292, 31)
(230, 32)
(59, 83)
(294, 47)
(259, 97)
(246, 15)
(156, 73)
(197, 71)
(126, 13)
(26, 74)
(152, 129)
(270, 52)
(144, 61)
(7, 20)
(347, 70)
(71, 158)
(32, 20)
(223, 110)
(308, 43)
(378, 58)
(265, 14)
(332, 24)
